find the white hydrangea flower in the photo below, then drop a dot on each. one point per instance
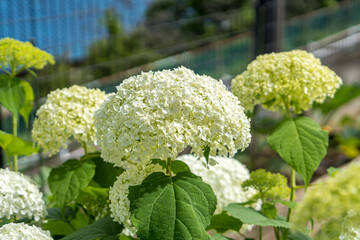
(22, 231)
(67, 113)
(119, 202)
(225, 178)
(350, 226)
(20, 197)
(158, 114)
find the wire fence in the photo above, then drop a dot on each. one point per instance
(64, 27)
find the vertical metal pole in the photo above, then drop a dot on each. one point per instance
(269, 26)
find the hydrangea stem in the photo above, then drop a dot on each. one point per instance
(15, 157)
(85, 148)
(292, 195)
(260, 232)
(168, 167)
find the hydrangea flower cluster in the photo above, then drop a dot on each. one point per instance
(278, 81)
(225, 178)
(20, 197)
(269, 186)
(22, 231)
(339, 193)
(22, 55)
(119, 202)
(350, 227)
(158, 114)
(67, 113)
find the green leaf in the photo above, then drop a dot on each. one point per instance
(67, 180)
(343, 95)
(251, 216)
(103, 228)
(13, 145)
(93, 199)
(80, 219)
(289, 204)
(123, 237)
(333, 171)
(105, 173)
(58, 227)
(172, 208)
(301, 143)
(298, 236)
(207, 153)
(269, 210)
(27, 106)
(219, 237)
(223, 222)
(12, 94)
(176, 166)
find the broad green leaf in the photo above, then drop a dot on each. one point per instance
(176, 166)
(251, 216)
(103, 228)
(58, 227)
(13, 145)
(301, 143)
(12, 94)
(289, 204)
(93, 199)
(105, 173)
(27, 106)
(67, 180)
(223, 222)
(172, 208)
(342, 96)
(80, 219)
(219, 237)
(269, 210)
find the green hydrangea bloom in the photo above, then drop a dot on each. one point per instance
(294, 79)
(67, 115)
(269, 186)
(16, 55)
(331, 201)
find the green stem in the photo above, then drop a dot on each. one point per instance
(15, 157)
(287, 109)
(276, 233)
(168, 167)
(292, 194)
(260, 232)
(13, 70)
(85, 148)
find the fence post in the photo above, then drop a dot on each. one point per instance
(269, 26)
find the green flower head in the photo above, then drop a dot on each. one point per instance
(331, 201)
(287, 80)
(270, 186)
(16, 56)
